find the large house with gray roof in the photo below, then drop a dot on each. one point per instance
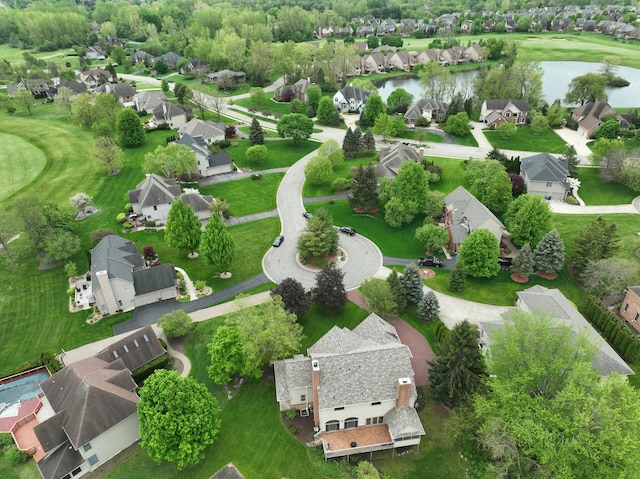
(546, 176)
(392, 158)
(209, 163)
(208, 131)
(88, 410)
(122, 281)
(430, 109)
(591, 115)
(351, 98)
(553, 302)
(496, 112)
(358, 385)
(464, 213)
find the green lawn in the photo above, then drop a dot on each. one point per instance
(548, 141)
(247, 196)
(21, 163)
(454, 174)
(398, 242)
(28, 470)
(211, 89)
(282, 153)
(273, 107)
(429, 136)
(267, 133)
(466, 140)
(593, 191)
(341, 171)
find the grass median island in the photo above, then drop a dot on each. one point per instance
(282, 153)
(247, 196)
(594, 191)
(524, 140)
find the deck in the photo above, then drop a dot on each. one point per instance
(365, 438)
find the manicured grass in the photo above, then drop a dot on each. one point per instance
(593, 191)
(21, 163)
(340, 171)
(466, 140)
(316, 323)
(271, 106)
(454, 174)
(267, 133)
(282, 153)
(429, 136)
(523, 140)
(398, 242)
(28, 470)
(247, 196)
(211, 89)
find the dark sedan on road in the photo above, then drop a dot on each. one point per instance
(430, 261)
(348, 230)
(278, 241)
(307, 215)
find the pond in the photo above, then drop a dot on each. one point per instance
(555, 81)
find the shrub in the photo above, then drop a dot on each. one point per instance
(71, 291)
(571, 200)
(341, 184)
(15, 456)
(127, 225)
(143, 372)
(151, 224)
(6, 439)
(50, 361)
(200, 284)
(128, 208)
(290, 413)
(435, 169)
(121, 218)
(256, 177)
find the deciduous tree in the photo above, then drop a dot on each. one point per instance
(107, 155)
(295, 298)
(528, 219)
(380, 298)
(25, 99)
(313, 97)
(549, 254)
(178, 418)
(176, 323)
(60, 245)
(295, 126)
(372, 109)
(406, 195)
(331, 149)
(129, 130)
(173, 161)
(459, 371)
(608, 276)
(437, 83)
(329, 292)
(63, 98)
(458, 124)
(507, 130)
(318, 170)
(432, 237)
(539, 123)
(398, 100)
(490, 184)
(183, 229)
(226, 354)
(586, 88)
(217, 246)
(480, 251)
(325, 110)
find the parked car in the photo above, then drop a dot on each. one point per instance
(348, 230)
(430, 261)
(505, 263)
(278, 241)
(307, 215)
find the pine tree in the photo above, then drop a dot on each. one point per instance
(571, 157)
(369, 142)
(217, 246)
(256, 134)
(397, 290)
(523, 262)
(183, 229)
(329, 292)
(549, 254)
(597, 240)
(357, 143)
(364, 189)
(412, 284)
(459, 371)
(348, 144)
(456, 279)
(428, 307)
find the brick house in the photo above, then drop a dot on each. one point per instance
(630, 309)
(496, 112)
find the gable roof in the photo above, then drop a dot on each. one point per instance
(228, 472)
(403, 421)
(202, 129)
(118, 256)
(119, 90)
(137, 349)
(154, 278)
(357, 94)
(74, 86)
(60, 462)
(155, 190)
(598, 110)
(392, 158)
(467, 209)
(522, 105)
(416, 109)
(148, 100)
(547, 168)
(554, 302)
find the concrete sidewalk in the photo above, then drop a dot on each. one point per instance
(565, 208)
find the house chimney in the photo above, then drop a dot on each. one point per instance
(421, 153)
(403, 392)
(315, 384)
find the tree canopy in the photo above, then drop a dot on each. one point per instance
(176, 323)
(173, 161)
(406, 195)
(295, 298)
(129, 130)
(329, 292)
(528, 219)
(295, 126)
(586, 88)
(480, 251)
(183, 229)
(319, 237)
(217, 246)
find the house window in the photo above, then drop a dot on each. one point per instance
(303, 397)
(376, 403)
(341, 408)
(120, 302)
(86, 447)
(507, 114)
(626, 306)
(522, 120)
(93, 459)
(635, 318)
(549, 184)
(350, 423)
(332, 426)
(155, 208)
(76, 471)
(374, 420)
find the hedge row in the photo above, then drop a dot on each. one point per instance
(612, 328)
(143, 372)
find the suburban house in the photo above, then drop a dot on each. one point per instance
(152, 198)
(351, 98)
(141, 57)
(95, 53)
(289, 92)
(208, 131)
(209, 163)
(235, 77)
(373, 63)
(323, 32)
(146, 100)
(197, 67)
(121, 280)
(172, 114)
(552, 301)
(630, 309)
(37, 87)
(392, 158)
(75, 86)
(95, 77)
(431, 110)
(230, 471)
(89, 412)
(546, 176)
(463, 214)
(590, 116)
(426, 56)
(358, 385)
(122, 91)
(495, 112)
(400, 60)
(171, 59)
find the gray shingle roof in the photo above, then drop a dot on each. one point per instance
(197, 201)
(154, 279)
(403, 421)
(464, 205)
(155, 190)
(392, 158)
(416, 109)
(148, 100)
(228, 472)
(135, 350)
(546, 167)
(359, 94)
(118, 256)
(202, 129)
(60, 462)
(522, 105)
(290, 374)
(554, 302)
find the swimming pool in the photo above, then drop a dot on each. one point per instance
(23, 388)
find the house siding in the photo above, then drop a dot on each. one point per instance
(556, 190)
(360, 411)
(159, 215)
(113, 441)
(632, 304)
(216, 170)
(154, 296)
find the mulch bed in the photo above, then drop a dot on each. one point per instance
(519, 278)
(360, 210)
(427, 273)
(544, 275)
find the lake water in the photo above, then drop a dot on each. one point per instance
(555, 82)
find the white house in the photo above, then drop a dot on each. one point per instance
(359, 386)
(208, 131)
(88, 412)
(121, 280)
(351, 99)
(209, 164)
(546, 176)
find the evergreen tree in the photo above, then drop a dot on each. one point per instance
(319, 237)
(329, 293)
(523, 262)
(457, 277)
(571, 157)
(217, 246)
(357, 143)
(549, 254)
(412, 284)
(256, 133)
(369, 142)
(397, 290)
(348, 144)
(311, 112)
(459, 371)
(598, 240)
(428, 307)
(364, 189)
(183, 229)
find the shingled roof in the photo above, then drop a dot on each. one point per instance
(116, 255)
(469, 214)
(155, 190)
(392, 158)
(546, 167)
